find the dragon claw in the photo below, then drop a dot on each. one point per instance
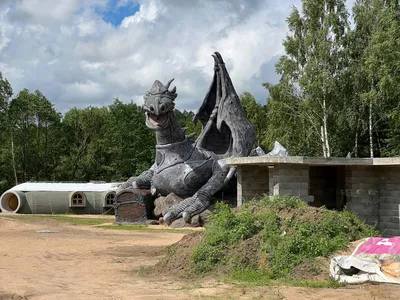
(168, 218)
(186, 216)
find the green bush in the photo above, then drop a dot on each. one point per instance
(273, 236)
(226, 228)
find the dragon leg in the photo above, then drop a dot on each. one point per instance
(201, 199)
(143, 181)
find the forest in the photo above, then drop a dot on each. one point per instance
(337, 96)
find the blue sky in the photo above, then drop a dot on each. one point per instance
(116, 11)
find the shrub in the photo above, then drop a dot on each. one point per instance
(273, 236)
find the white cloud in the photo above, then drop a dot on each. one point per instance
(66, 50)
(148, 13)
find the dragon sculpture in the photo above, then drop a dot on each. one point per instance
(194, 170)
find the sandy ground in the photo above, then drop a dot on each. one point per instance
(85, 262)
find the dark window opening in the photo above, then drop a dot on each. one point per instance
(327, 185)
(110, 199)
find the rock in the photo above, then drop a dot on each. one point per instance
(205, 215)
(162, 204)
(179, 223)
(196, 221)
(152, 222)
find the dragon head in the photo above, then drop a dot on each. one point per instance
(158, 103)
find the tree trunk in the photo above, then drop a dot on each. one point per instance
(325, 131)
(12, 150)
(323, 141)
(356, 145)
(371, 142)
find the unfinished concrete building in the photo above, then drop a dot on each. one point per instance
(370, 187)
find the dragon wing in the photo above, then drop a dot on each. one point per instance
(226, 130)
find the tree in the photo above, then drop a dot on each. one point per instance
(130, 142)
(374, 69)
(6, 93)
(315, 60)
(6, 140)
(382, 64)
(257, 114)
(31, 117)
(287, 121)
(185, 119)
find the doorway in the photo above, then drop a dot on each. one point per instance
(327, 185)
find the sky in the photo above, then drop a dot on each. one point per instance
(88, 52)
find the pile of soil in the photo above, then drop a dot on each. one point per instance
(177, 260)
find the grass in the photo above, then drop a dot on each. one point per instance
(98, 222)
(252, 278)
(274, 240)
(61, 218)
(144, 228)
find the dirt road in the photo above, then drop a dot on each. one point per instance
(85, 262)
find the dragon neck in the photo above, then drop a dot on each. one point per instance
(171, 133)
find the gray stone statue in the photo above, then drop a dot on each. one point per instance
(194, 170)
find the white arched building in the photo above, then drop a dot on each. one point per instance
(48, 198)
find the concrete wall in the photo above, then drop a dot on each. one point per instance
(276, 180)
(362, 192)
(290, 179)
(371, 191)
(389, 190)
(252, 183)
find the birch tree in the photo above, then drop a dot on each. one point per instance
(315, 60)
(381, 61)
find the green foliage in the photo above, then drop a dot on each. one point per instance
(282, 202)
(269, 239)
(257, 115)
(287, 123)
(225, 228)
(314, 63)
(341, 81)
(185, 119)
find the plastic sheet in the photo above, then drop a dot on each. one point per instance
(375, 259)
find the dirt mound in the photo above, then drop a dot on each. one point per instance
(278, 240)
(301, 213)
(177, 258)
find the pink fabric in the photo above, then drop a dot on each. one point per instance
(379, 246)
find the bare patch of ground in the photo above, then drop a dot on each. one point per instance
(67, 261)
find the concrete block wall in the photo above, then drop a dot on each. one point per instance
(252, 183)
(362, 192)
(290, 179)
(373, 193)
(389, 187)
